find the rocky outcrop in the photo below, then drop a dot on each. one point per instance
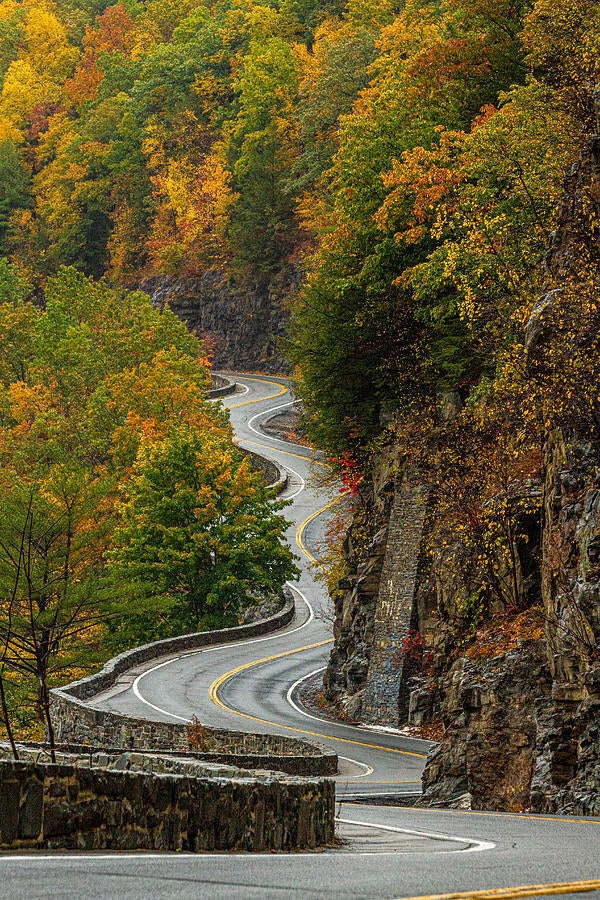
(567, 774)
(488, 752)
(243, 322)
(364, 550)
(376, 603)
(521, 725)
(544, 713)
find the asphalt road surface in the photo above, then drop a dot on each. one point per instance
(385, 851)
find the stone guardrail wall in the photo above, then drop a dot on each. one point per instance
(77, 722)
(276, 478)
(300, 763)
(60, 806)
(222, 387)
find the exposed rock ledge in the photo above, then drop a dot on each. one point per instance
(243, 322)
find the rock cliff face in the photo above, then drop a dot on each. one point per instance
(377, 605)
(487, 755)
(567, 772)
(521, 728)
(243, 322)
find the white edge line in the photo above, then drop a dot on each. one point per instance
(311, 615)
(244, 390)
(264, 412)
(296, 475)
(301, 480)
(271, 637)
(308, 715)
(476, 846)
(286, 468)
(368, 769)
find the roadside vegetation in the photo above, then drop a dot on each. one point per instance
(126, 512)
(434, 221)
(406, 159)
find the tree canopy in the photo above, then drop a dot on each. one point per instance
(103, 397)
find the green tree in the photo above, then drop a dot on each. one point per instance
(261, 153)
(200, 530)
(55, 601)
(83, 382)
(14, 186)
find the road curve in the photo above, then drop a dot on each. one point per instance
(255, 697)
(391, 851)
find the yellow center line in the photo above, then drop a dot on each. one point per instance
(303, 525)
(531, 817)
(283, 390)
(300, 542)
(317, 462)
(213, 691)
(495, 894)
(531, 890)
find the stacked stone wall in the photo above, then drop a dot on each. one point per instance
(395, 610)
(77, 723)
(85, 800)
(70, 807)
(222, 387)
(274, 476)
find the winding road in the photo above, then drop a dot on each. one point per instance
(387, 851)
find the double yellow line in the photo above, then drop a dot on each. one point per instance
(213, 691)
(535, 890)
(260, 399)
(531, 890)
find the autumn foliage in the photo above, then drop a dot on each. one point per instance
(404, 161)
(110, 451)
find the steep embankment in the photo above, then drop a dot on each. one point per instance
(517, 702)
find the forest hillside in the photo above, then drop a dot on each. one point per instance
(391, 177)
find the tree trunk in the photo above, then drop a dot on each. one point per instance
(6, 718)
(48, 717)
